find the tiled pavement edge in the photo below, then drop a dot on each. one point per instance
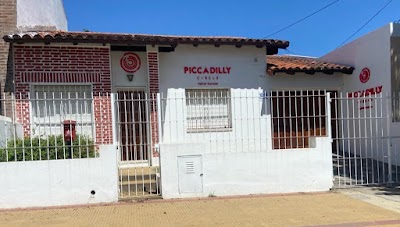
(319, 209)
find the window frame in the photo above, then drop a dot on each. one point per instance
(88, 119)
(228, 98)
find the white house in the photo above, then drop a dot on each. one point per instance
(196, 116)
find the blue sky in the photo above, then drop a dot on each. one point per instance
(315, 36)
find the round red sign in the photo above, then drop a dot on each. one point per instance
(365, 75)
(130, 62)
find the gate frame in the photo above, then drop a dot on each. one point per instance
(385, 158)
(116, 126)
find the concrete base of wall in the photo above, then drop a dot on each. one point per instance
(245, 173)
(60, 182)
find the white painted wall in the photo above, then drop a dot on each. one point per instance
(244, 173)
(240, 160)
(35, 15)
(60, 182)
(303, 81)
(118, 75)
(372, 51)
(251, 126)
(247, 66)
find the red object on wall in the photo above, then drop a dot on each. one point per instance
(130, 62)
(365, 75)
(69, 130)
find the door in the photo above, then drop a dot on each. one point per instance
(190, 174)
(133, 127)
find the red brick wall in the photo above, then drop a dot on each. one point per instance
(152, 60)
(57, 64)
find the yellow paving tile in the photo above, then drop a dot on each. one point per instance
(278, 210)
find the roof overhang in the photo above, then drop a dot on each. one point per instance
(139, 39)
(296, 64)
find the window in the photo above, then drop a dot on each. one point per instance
(208, 109)
(297, 116)
(60, 102)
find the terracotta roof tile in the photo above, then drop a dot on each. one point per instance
(292, 64)
(138, 39)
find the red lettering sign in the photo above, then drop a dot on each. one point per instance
(206, 70)
(366, 92)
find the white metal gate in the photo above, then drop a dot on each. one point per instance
(365, 145)
(139, 176)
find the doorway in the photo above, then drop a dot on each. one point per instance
(133, 126)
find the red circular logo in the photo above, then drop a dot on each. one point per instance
(130, 62)
(365, 75)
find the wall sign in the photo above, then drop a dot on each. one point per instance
(207, 75)
(365, 93)
(365, 96)
(206, 70)
(130, 62)
(365, 75)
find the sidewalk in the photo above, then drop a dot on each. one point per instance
(321, 209)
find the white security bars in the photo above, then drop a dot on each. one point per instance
(226, 120)
(134, 125)
(50, 123)
(136, 132)
(237, 120)
(297, 116)
(208, 109)
(365, 141)
(58, 122)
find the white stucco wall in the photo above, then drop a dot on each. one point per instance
(303, 81)
(118, 75)
(34, 15)
(371, 51)
(240, 160)
(250, 124)
(60, 182)
(247, 66)
(244, 173)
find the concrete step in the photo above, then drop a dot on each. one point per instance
(137, 177)
(139, 183)
(139, 171)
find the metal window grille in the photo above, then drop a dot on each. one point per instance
(37, 126)
(297, 116)
(208, 109)
(56, 100)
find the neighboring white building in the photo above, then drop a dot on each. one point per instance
(375, 57)
(41, 15)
